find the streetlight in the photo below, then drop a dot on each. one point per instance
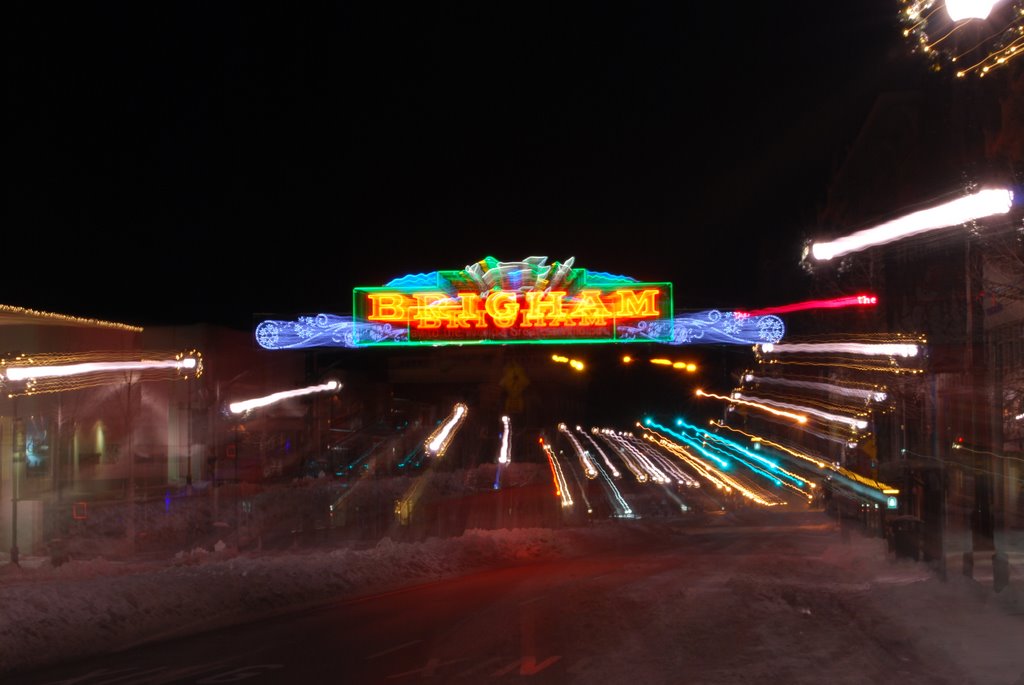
(987, 202)
(34, 374)
(242, 408)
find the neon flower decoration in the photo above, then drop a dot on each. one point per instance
(712, 326)
(322, 330)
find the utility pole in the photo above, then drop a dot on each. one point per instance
(188, 434)
(980, 404)
(15, 460)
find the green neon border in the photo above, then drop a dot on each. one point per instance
(667, 319)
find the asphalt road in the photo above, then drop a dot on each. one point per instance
(746, 602)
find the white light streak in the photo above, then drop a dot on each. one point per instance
(245, 405)
(969, 9)
(870, 349)
(586, 461)
(505, 456)
(857, 424)
(981, 204)
(437, 443)
(830, 388)
(21, 373)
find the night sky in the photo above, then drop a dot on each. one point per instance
(218, 162)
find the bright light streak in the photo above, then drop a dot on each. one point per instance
(245, 405)
(834, 303)
(969, 9)
(582, 454)
(981, 204)
(717, 476)
(561, 486)
(622, 508)
(638, 463)
(439, 440)
(606, 434)
(682, 478)
(505, 456)
(868, 349)
(799, 418)
(842, 363)
(607, 461)
(574, 363)
(866, 394)
(755, 462)
(855, 423)
(654, 473)
(21, 373)
(853, 478)
(820, 463)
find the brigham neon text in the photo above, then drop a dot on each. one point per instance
(509, 308)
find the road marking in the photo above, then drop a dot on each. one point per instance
(393, 649)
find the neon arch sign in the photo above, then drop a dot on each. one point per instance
(511, 302)
(492, 302)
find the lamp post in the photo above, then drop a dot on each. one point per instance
(63, 372)
(188, 434)
(241, 409)
(15, 460)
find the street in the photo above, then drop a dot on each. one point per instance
(771, 597)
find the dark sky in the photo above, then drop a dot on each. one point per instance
(193, 161)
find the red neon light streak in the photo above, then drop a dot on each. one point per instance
(847, 301)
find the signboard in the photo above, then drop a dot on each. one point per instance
(891, 502)
(513, 302)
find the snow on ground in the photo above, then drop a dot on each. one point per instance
(89, 605)
(63, 612)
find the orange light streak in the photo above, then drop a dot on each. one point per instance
(799, 418)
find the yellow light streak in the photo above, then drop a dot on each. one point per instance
(799, 418)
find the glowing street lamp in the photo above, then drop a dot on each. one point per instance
(969, 9)
(22, 373)
(57, 372)
(241, 409)
(246, 405)
(32, 374)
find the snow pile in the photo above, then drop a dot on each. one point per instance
(65, 612)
